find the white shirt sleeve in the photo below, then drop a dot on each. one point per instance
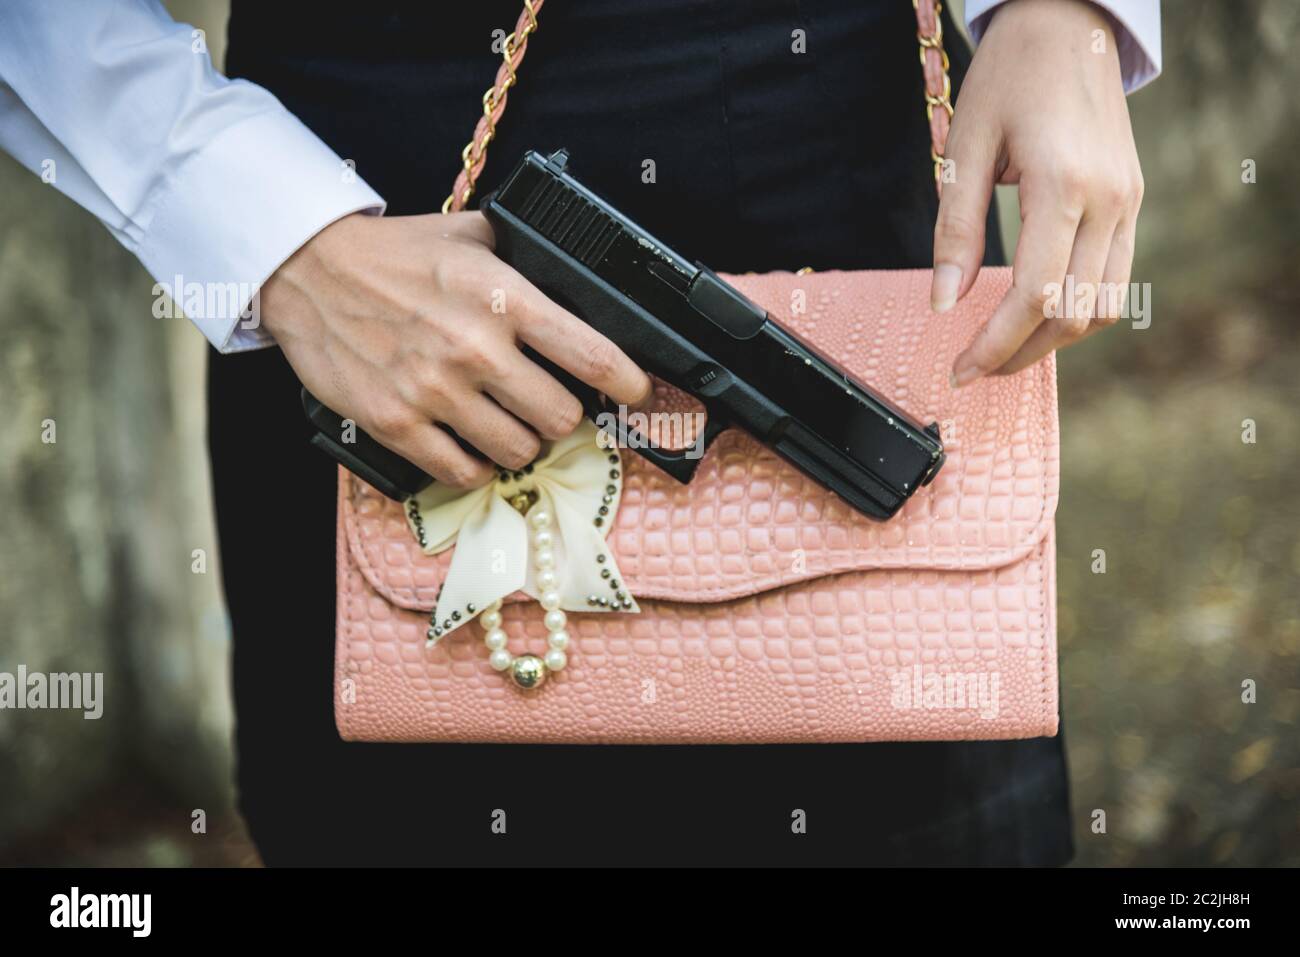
(1138, 37)
(212, 183)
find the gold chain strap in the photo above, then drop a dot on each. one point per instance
(938, 85)
(934, 65)
(474, 155)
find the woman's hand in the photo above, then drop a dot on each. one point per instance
(1043, 106)
(405, 324)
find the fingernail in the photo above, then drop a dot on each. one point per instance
(944, 286)
(963, 373)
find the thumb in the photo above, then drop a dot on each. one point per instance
(967, 189)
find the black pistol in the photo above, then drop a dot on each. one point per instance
(678, 321)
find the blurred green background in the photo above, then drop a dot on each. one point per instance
(1201, 531)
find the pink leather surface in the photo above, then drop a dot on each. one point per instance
(770, 610)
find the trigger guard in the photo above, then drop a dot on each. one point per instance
(675, 463)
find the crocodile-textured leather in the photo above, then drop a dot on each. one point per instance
(771, 611)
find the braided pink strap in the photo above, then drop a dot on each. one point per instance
(474, 155)
(938, 86)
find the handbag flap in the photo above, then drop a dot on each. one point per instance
(749, 521)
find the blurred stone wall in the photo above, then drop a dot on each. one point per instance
(1201, 530)
(98, 528)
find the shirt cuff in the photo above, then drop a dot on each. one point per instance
(1138, 37)
(238, 208)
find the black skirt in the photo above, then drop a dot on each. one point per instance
(763, 156)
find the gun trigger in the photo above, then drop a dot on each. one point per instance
(714, 425)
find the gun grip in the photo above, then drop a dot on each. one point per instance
(363, 456)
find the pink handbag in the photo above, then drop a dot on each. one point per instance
(766, 610)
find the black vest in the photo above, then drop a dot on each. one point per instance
(777, 134)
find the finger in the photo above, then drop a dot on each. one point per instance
(1119, 262)
(963, 211)
(1073, 310)
(535, 397)
(1042, 256)
(468, 225)
(1116, 276)
(495, 432)
(582, 351)
(438, 454)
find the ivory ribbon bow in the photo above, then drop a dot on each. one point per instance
(578, 482)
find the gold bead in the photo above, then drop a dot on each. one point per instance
(524, 500)
(528, 672)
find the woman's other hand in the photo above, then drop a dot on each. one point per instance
(1042, 106)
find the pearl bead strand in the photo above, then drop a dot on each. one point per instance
(547, 584)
